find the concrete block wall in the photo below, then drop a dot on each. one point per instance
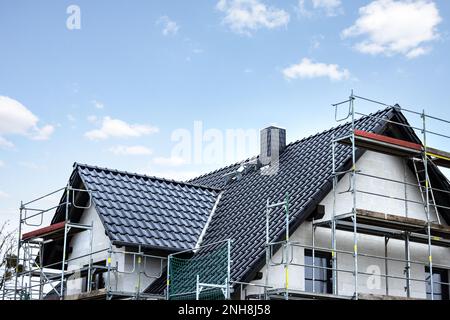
(127, 278)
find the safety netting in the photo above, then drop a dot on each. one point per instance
(203, 276)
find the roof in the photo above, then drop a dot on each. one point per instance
(304, 172)
(148, 211)
(305, 169)
(165, 214)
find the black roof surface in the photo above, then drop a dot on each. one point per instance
(141, 210)
(305, 173)
(305, 169)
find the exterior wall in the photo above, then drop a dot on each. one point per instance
(379, 165)
(130, 274)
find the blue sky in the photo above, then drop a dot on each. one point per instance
(112, 92)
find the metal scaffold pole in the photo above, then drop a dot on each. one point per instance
(408, 265)
(287, 247)
(41, 267)
(63, 262)
(108, 276)
(228, 281)
(333, 220)
(407, 249)
(427, 203)
(353, 191)
(19, 243)
(168, 284)
(313, 233)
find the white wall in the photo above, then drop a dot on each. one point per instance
(383, 166)
(129, 276)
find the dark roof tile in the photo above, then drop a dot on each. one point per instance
(148, 211)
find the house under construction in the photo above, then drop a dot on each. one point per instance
(360, 211)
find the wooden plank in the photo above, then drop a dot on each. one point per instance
(401, 223)
(396, 233)
(439, 157)
(389, 140)
(388, 145)
(42, 232)
(93, 295)
(379, 143)
(438, 153)
(369, 296)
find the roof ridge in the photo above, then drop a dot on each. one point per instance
(391, 108)
(141, 175)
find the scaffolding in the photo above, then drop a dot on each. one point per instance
(189, 279)
(36, 280)
(359, 221)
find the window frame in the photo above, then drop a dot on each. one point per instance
(444, 273)
(329, 272)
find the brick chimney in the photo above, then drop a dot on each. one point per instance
(273, 143)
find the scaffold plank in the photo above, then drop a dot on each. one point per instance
(400, 222)
(384, 144)
(393, 146)
(393, 226)
(43, 232)
(439, 157)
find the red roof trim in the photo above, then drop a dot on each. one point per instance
(385, 139)
(43, 231)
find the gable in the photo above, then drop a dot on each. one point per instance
(379, 189)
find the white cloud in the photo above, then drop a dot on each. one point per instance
(92, 118)
(43, 133)
(15, 118)
(417, 52)
(309, 69)
(396, 27)
(316, 42)
(169, 27)
(115, 128)
(2, 164)
(98, 104)
(329, 7)
(246, 16)
(5, 143)
(170, 161)
(130, 150)
(3, 194)
(30, 165)
(71, 118)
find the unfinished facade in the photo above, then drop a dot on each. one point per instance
(360, 211)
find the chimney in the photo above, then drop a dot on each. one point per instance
(273, 143)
